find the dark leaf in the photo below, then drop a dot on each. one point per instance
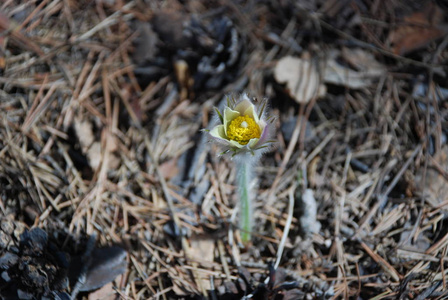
(107, 263)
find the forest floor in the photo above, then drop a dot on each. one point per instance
(101, 109)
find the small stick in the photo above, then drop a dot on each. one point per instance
(281, 247)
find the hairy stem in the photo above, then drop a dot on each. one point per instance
(243, 178)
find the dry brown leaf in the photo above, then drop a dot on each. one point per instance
(435, 188)
(303, 81)
(417, 30)
(92, 147)
(107, 292)
(169, 168)
(202, 249)
(421, 243)
(364, 68)
(301, 77)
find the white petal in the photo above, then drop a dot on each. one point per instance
(236, 144)
(243, 105)
(246, 107)
(252, 143)
(218, 132)
(262, 124)
(229, 115)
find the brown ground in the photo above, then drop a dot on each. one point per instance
(101, 106)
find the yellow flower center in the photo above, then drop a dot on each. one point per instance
(242, 129)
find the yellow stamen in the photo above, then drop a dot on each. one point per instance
(242, 129)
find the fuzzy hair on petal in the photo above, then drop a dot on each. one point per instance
(266, 134)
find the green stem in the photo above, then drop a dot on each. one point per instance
(243, 178)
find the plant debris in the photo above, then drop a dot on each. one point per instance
(101, 107)
(38, 268)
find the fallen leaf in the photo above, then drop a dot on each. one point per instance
(421, 244)
(107, 264)
(435, 187)
(417, 30)
(92, 147)
(367, 68)
(352, 68)
(107, 292)
(202, 249)
(301, 77)
(169, 168)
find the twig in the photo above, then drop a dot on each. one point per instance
(281, 246)
(375, 48)
(382, 198)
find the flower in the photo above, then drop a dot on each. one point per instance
(244, 127)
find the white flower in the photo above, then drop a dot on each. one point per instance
(244, 127)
